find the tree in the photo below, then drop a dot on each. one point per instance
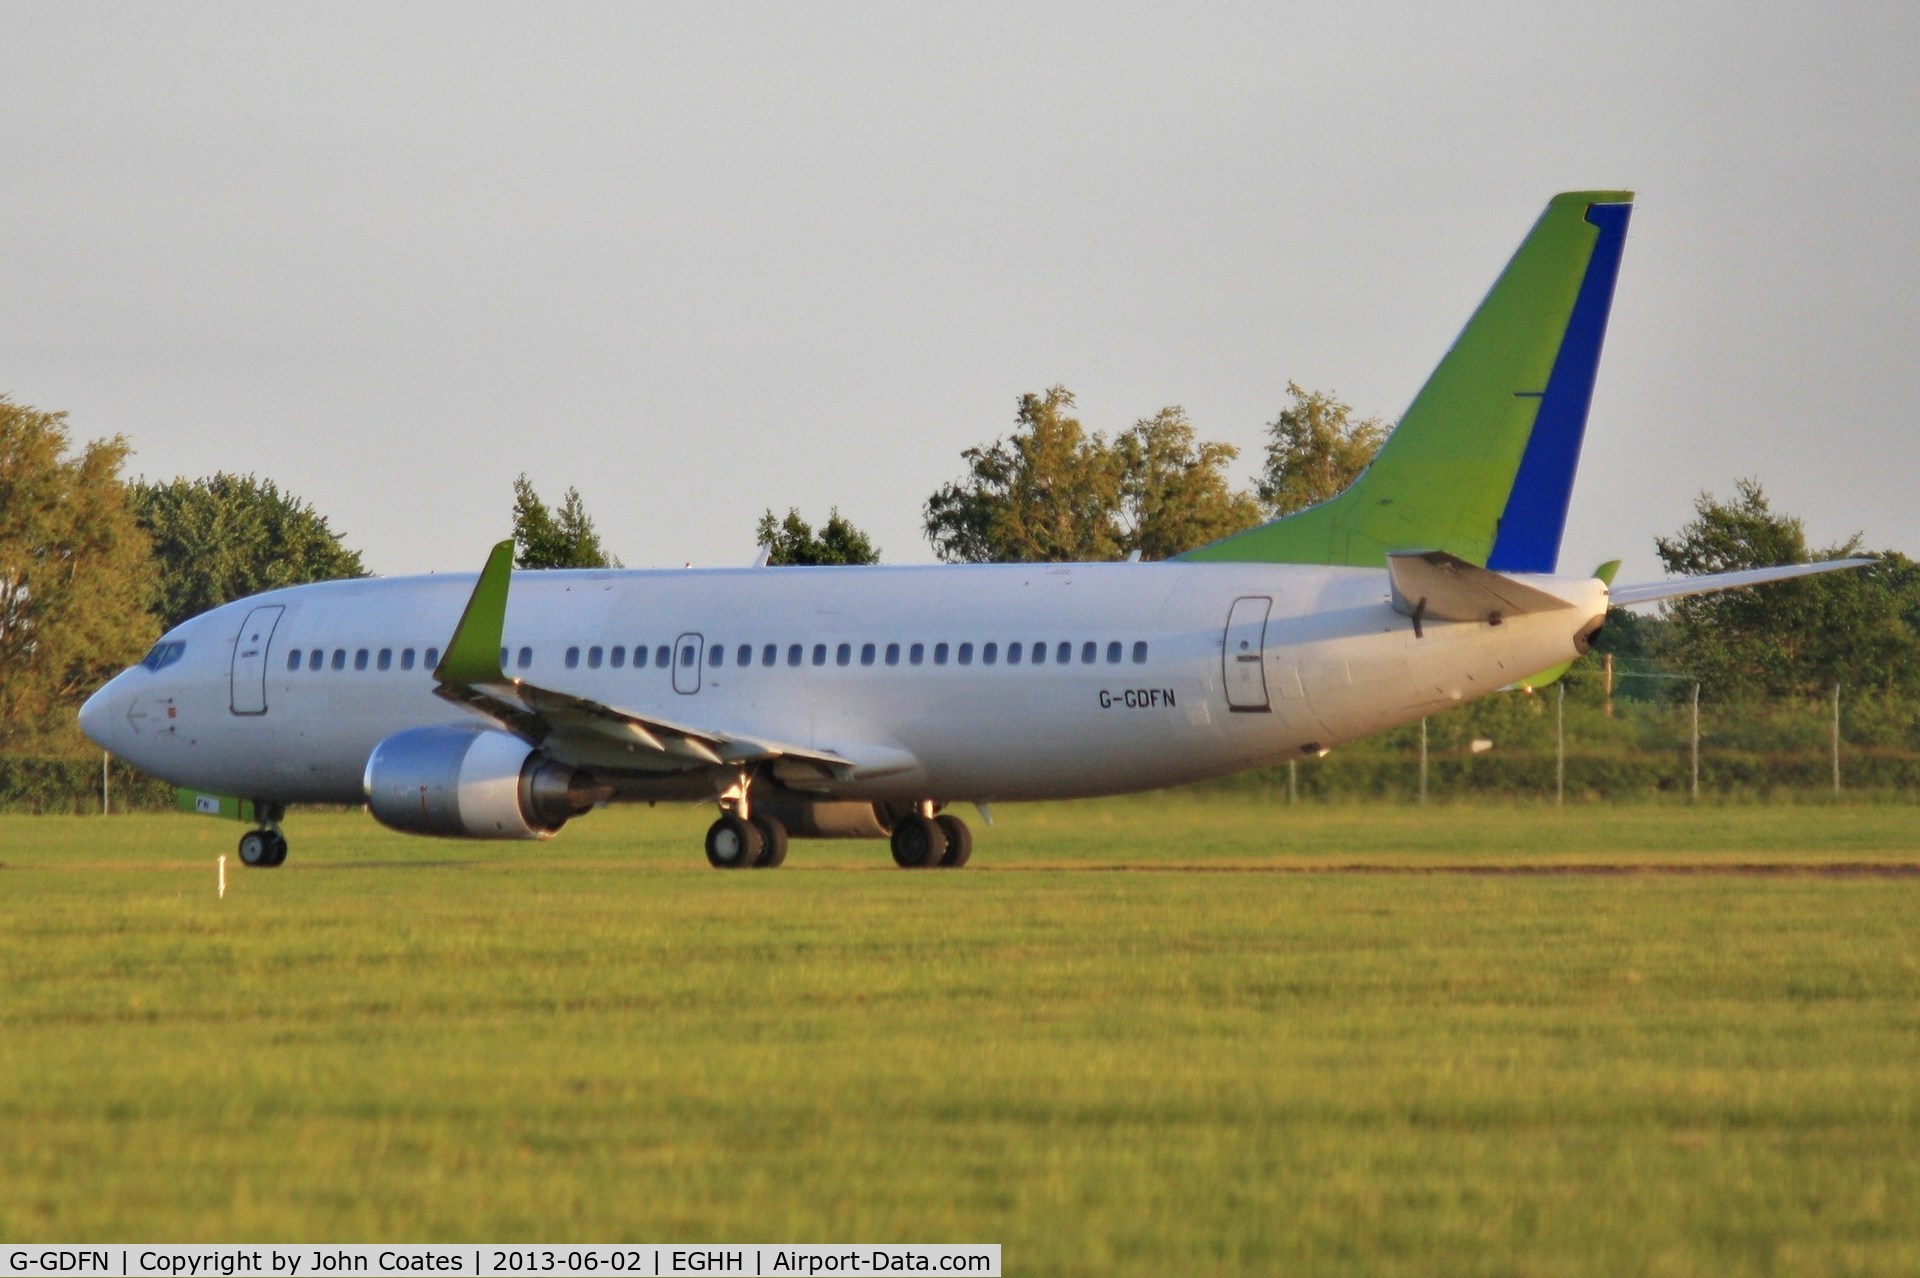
(546, 540)
(231, 536)
(1857, 627)
(1047, 492)
(1051, 491)
(75, 575)
(1174, 493)
(1315, 449)
(792, 541)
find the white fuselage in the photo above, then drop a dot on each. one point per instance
(1184, 681)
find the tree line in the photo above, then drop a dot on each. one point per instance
(93, 566)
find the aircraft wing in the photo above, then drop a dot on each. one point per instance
(588, 733)
(1678, 587)
(585, 732)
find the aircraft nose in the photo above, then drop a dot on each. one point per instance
(96, 716)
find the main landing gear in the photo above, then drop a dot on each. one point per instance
(743, 839)
(264, 848)
(923, 841)
(735, 842)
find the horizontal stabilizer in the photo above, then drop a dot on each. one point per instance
(1434, 585)
(1678, 587)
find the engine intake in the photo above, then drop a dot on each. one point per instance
(473, 783)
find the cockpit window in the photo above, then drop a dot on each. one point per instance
(164, 654)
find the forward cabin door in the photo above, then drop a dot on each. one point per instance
(248, 679)
(1243, 670)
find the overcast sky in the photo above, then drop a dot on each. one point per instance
(703, 260)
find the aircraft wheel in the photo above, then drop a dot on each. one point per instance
(732, 844)
(279, 848)
(256, 849)
(959, 841)
(918, 842)
(773, 838)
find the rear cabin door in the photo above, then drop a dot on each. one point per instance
(688, 653)
(249, 676)
(1243, 670)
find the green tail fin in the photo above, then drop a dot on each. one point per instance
(1481, 464)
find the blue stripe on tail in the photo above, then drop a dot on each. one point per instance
(1536, 513)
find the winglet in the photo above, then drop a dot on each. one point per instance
(473, 654)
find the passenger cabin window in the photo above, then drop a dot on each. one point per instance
(663, 656)
(793, 654)
(744, 657)
(293, 659)
(639, 656)
(1039, 654)
(314, 659)
(1064, 653)
(432, 658)
(688, 656)
(360, 659)
(989, 654)
(866, 654)
(893, 654)
(573, 658)
(843, 654)
(595, 655)
(339, 658)
(1140, 652)
(1013, 654)
(385, 661)
(617, 657)
(1113, 653)
(917, 654)
(819, 654)
(966, 654)
(1088, 652)
(939, 654)
(716, 655)
(406, 658)
(769, 654)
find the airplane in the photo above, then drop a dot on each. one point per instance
(869, 701)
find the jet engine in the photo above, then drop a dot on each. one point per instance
(474, 783)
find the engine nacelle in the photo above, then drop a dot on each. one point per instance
(824, 818)
(473, 783)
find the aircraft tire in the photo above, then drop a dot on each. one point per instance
(732, 844)
(959, 841)
(918, 843)
(279, 842)
(773, 839)
(256, 849)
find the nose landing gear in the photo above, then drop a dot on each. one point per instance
(264, 848)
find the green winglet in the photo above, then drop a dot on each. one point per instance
(473, 654)
(1606, 571)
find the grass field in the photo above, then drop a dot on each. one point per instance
(1149, 1036)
